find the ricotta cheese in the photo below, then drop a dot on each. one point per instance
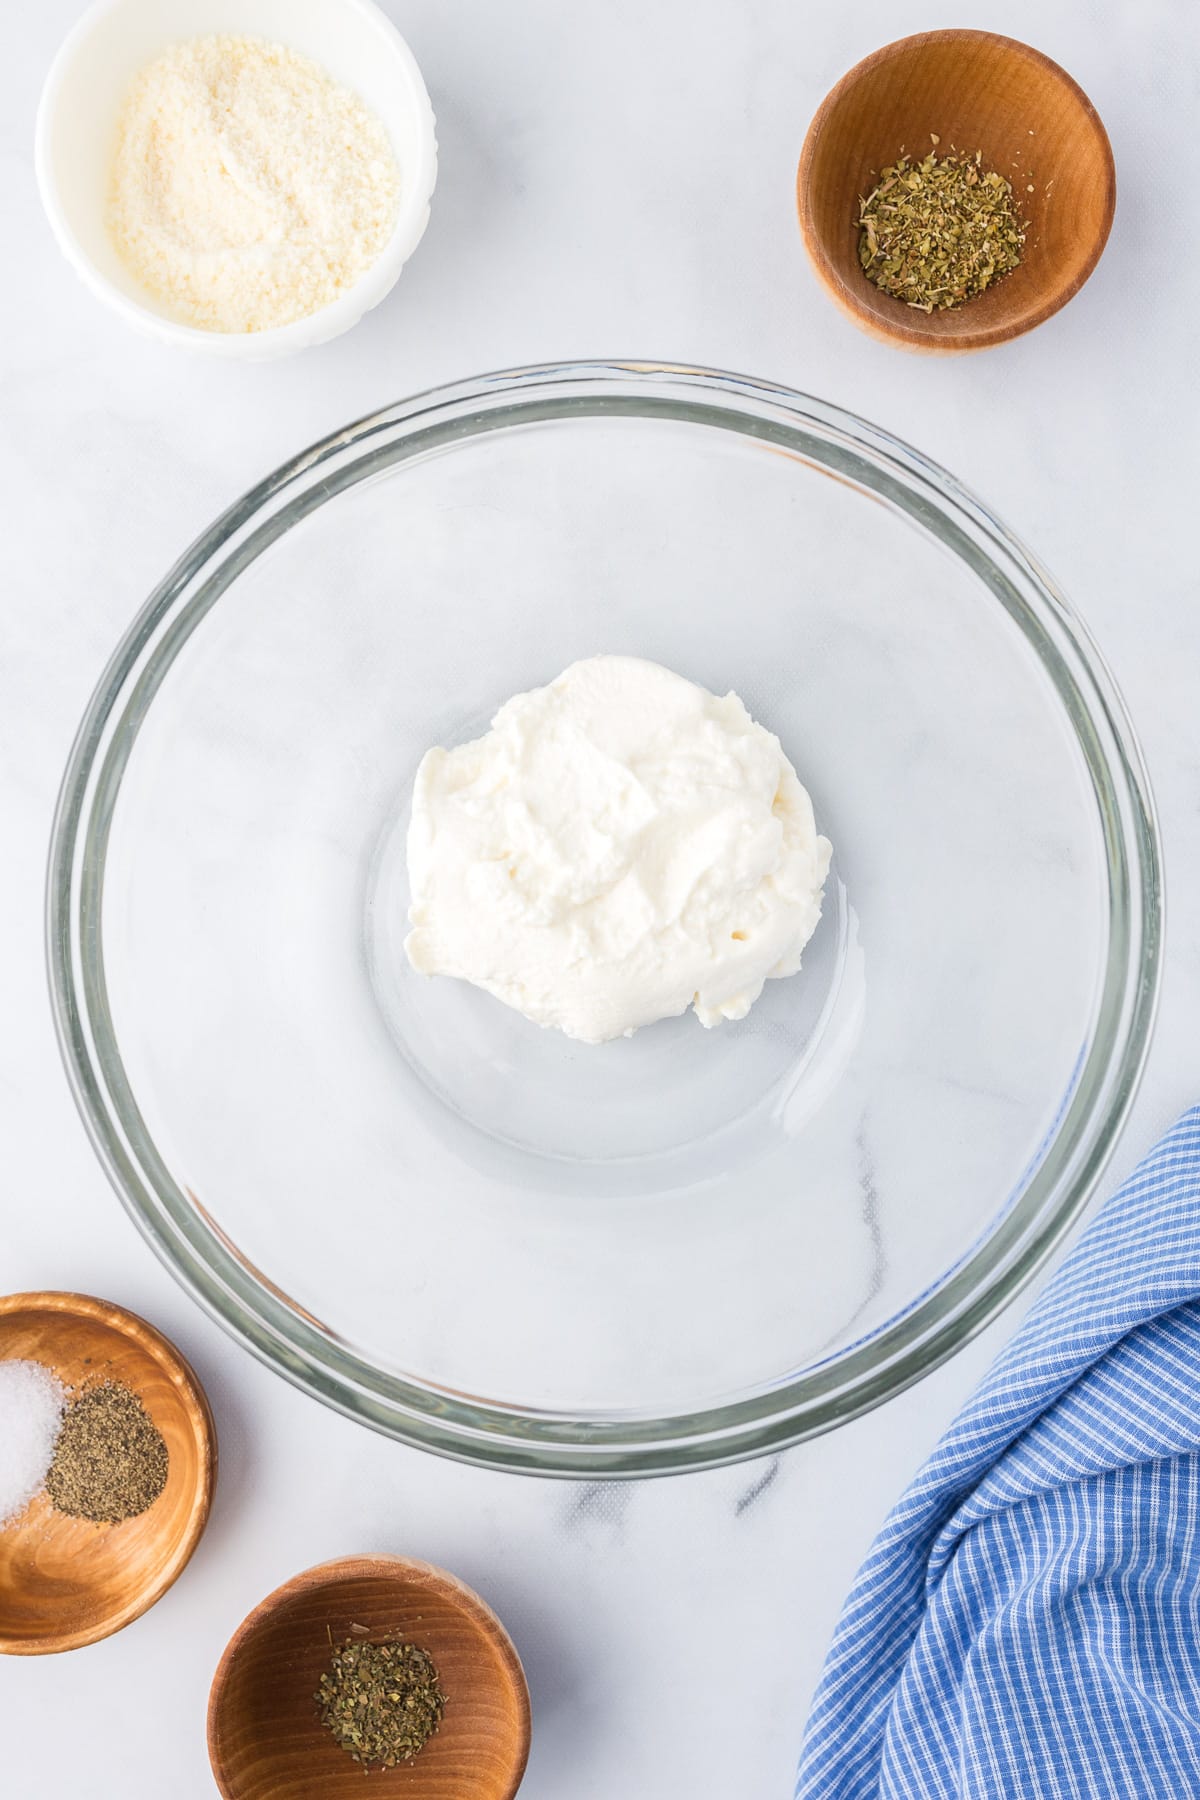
(621, 845)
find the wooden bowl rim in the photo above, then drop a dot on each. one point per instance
(412, 1573)
(199, 1413)
(914, 336)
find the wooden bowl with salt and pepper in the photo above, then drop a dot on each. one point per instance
(65, 1581)
(975, 92)
(266, 1738)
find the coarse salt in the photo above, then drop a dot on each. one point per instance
(31, 1409)
(248, 188)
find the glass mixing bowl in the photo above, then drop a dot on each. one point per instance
(685, 1247)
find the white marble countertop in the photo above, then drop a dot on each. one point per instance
(615, 180)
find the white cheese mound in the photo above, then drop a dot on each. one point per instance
(621, 845)
(247, 188)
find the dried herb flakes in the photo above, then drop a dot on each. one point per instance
(381, 1701)
(940, 231)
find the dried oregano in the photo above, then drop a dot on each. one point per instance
(381, 1701)
(937, 232)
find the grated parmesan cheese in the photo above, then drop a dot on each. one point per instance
(248, 189)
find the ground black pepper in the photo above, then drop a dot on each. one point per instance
(110, 1461)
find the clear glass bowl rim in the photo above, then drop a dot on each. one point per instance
(279, 1332)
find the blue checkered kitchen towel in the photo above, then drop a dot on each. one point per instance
(1027, 1626)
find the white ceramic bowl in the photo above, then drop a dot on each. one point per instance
(77, 116)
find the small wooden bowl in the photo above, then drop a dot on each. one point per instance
(265, 1737)
(976, 91)
(66, 1582)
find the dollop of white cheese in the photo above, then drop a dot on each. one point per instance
(621, 845)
